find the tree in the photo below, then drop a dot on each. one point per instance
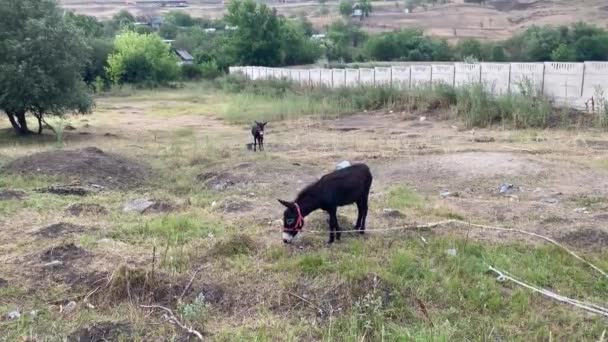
(168, 31)
(256, 41)
(142, 59)
(592, 48)
(42, 56)
(97, 60)
(469, 48)
(366, 7)
(563, 53)
(346, 8)
(180, 19)
(89, 26)
(297, 48)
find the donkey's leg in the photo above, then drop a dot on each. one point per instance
(333, 225)
(362, 206)
(255, 143)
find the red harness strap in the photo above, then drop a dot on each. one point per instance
(299, 221)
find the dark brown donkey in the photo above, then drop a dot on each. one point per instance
(339, 188)
(257, 130)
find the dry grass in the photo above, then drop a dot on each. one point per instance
(255, 288)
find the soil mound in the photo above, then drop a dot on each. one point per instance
(88, 165)
(586, 238)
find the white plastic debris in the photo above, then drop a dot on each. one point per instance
(343, 164)
(451, 252)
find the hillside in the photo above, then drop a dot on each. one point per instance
(493, 21)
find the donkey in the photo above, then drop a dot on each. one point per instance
(257, 130)
(338, 188)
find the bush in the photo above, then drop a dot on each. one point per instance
(210, 70)
(191, 72)
(142, 59)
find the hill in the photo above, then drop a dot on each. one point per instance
(494, 20)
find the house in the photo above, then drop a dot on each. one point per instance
(184, 57)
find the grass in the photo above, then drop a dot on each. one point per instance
(368, 287)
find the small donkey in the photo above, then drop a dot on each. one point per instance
(339, 188)
(257, 130)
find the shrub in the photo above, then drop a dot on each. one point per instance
(210, 70)
(191, 72)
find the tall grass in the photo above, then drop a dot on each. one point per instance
(475, 105)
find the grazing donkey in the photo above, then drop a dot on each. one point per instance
(257, 130)
(338, 188)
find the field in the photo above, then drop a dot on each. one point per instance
(209, 246)
(496, 21)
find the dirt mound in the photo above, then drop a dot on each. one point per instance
(218, 181)
(102, 331)
(59, 229)
(80, 209)
(88, 165)
(6, 195)
(586, 238)
(63, 253)
(235, 245)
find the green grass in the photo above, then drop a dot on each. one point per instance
(403, 197)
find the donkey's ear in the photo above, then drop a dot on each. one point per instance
(286, 204)
(264, 123)
(257, 123)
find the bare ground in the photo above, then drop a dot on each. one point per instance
(560, 190)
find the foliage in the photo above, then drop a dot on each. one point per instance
(563, 53)
(406, 45)
(344, 41)
(296, 47)
(42, 56)
(89, 26)
(469, 48)
(97, 60)
(345, 8)
(141, 59)
(256, 41)
(210, 70)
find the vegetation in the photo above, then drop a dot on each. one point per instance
(42, 57)
(141, 59)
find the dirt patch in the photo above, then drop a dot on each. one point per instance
(60, 229)
(3, 282)
(65, 190)
(102, 331)
(235, 205)
(88, 165)
(586, 238)
(160, 207)
(218, 181)
(601, 145)
(82, 209)
(67, 252)
(6, 195)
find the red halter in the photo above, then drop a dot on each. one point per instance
(299, 221)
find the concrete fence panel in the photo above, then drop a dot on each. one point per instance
(382, 76)
(304, 77)
(294, 75)
(326, 77)
(351, 77)
(401, 77)
(495, 77)
(285, 74)
(366, 77)
(315, 77)
(442, 74)
(466, 74)
(595, 80)
(524, 75)
(563, 80)
(420, 75)
(339, 78)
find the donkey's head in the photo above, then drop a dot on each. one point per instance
(260, 127)
(293, 221)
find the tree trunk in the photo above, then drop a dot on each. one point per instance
(18, 122)
(39, 117)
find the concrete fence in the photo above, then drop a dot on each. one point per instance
(570, 84)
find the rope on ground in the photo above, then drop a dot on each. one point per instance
(482, 226)
(502, 276)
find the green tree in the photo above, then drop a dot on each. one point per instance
(296, 47)
(469, 48)
(168, 31)
(142, 59)
(42, 56)
(346, 8)
(592, 48)
(180, 19)
(97, 60)
(89, 26)
(563, 53)
(257, 39)
(366, 7)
